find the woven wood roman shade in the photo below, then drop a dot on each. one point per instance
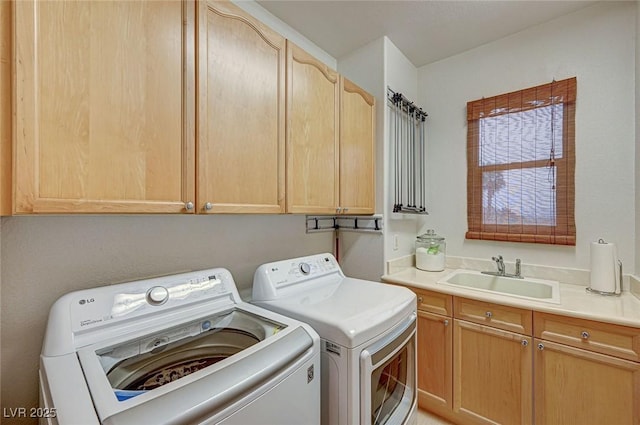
(521, 165)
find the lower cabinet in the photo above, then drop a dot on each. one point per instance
(492, 374)
(435, 362)
(574, 386)
(487, 363)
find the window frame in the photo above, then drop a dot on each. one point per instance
(564, 231)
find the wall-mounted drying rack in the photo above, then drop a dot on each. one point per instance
(328, 223)
(407, 134)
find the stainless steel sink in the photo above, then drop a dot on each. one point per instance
(527, 288)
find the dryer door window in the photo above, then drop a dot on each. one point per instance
(388, 379)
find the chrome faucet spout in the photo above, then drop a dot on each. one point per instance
(500, 264)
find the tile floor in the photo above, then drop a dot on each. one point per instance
(425, 418)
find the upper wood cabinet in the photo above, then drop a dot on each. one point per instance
(330, 140)
(5, 107)
(313, 96)
(104, 106)
(357, 153)
(241, 105)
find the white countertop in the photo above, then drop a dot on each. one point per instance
(575, 301)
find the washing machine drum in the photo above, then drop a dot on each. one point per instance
(164, 365)
(147, 363)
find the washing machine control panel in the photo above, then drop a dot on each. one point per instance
(109, 304)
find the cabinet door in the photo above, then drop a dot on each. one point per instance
(435, 365)
(312, 135)
(574, 386)
(492, 375)
(5, 108)
(105, 106)
(242, 102)
(357, 149)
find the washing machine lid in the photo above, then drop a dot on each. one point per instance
(192, 370)
(347, 311)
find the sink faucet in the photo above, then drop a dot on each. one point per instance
(499, 264)
(502, 269)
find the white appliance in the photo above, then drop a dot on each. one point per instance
(179, 349)
(368, 333)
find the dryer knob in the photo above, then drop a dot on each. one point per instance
(157, 295)
(305, 268)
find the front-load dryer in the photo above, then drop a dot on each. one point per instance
(180, 349)
(368, 333)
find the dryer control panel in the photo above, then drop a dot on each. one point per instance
(272, 278)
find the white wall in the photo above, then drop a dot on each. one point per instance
(597, 45)
(400, 229)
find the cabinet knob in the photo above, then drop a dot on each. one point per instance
(525, 342)
(188, 206)
(488, 314)
(338, 210)
(420, 300)
(540, 346)
(446, 322)
(344, 210)
(208, 206)
(585, 335)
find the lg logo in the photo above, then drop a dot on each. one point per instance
(87, 301)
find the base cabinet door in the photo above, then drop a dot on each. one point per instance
(435, 365)
(574, 386)
(492, 377)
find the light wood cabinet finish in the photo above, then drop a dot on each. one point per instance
(105, 106)
(496, 315)
(357, 153)
(5, 107)
(575, 371)
(241, 99)
(435, 362)
(492, 380)
(574, 386)
(605, 338)
(313, 94)
(434, 302)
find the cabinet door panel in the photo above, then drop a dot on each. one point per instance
(357, 149)
(104, 106)
(5, 108)
(574, 386)
(242, 97)
(492, 375)
(312, 134)
(435, 361)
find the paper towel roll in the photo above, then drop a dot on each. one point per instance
(603, 266)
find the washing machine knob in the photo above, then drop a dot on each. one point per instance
(157, 295)
(305, 268)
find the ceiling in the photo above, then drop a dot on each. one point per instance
(425, 31)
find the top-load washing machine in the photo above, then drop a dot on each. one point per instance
(180, 349)
(367, 331)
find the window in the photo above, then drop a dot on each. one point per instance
(521, 162)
